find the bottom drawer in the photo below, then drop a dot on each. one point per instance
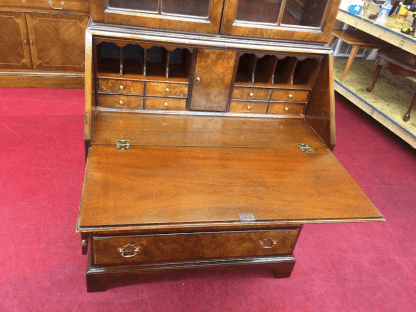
(286, 108)
(192, 246)
(165, 104)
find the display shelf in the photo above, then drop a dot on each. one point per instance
(386, 33)
(387, 102)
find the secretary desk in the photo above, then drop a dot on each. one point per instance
(209, 129)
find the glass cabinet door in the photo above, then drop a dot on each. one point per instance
(187, 15)
(309, 20)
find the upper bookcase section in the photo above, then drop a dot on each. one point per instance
(306, 20)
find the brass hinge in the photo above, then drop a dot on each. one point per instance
(122, 145)
(304, 147)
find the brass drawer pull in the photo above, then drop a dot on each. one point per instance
(167, 89)
(248, 107)
(290, 96)
(251, 94)
(267, 243)
(121, 87)
(286, 109)
(53, 7)
(120, 102)
(165, 104)
(128, 251)
(198, 80)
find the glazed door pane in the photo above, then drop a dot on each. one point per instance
(135, 5)
(309, 20)
(198, 8)
(304, 12)
(202, 16)
(261, 11)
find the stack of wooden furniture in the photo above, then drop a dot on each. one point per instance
(42, 43)
(209, 126)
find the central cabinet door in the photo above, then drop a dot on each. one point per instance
(186, 15)
(212, 79)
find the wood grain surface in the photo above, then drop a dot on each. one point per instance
(172, 185)
(202, 131)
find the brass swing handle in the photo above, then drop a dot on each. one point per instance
(128, 251)
(267, 243)
(53, 7)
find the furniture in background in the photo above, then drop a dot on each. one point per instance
(208, 141)
(389, 113)
(43, 43)
(358, 40)
(398, 62)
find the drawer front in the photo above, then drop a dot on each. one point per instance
(120, 101)
(54, 5)
(166, 89)
(286, 108)
(248, 107)
(192, 246)
(165, 104)
(289, 95)
(120, 86)
(251, 93)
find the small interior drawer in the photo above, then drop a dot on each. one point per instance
(165, 104)
(120, 86)
(286, 108)
(120, 101)
(248, 107)
(251, 93)
(166, 89)
(192, 246)
(289, 95)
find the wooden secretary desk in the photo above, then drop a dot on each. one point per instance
(209, 126)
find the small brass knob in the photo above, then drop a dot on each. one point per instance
(31, 42)
(286, 109)
(167, 89)
(251, 94)
(248, 107)
(165, 104)
(84, 243)
(198, 80)
(290, 96)
(120, 102)
(121, 87)
(25, 41)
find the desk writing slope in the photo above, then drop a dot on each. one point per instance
(180, 182)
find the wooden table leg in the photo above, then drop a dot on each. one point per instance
(353, 53)
(412, 104)
(378, 68)
(330, 43)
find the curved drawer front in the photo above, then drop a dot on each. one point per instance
(286, 108)
(120, 86)
(192, 246)
(120, 101)
(251, 93)
(248, 107)
(166, 89)
(165, 104)
(289, 95)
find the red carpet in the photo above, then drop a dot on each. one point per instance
(340, 267)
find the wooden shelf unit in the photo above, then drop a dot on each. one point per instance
(372, 104)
